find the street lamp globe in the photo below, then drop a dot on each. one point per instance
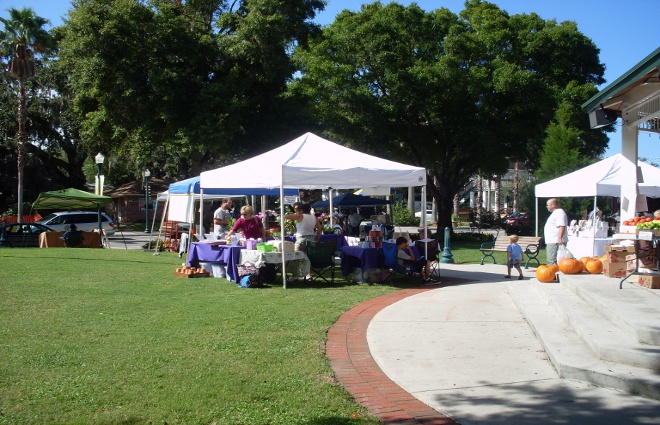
(99, 158)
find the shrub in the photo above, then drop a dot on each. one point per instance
(403, 216)
(472, 237)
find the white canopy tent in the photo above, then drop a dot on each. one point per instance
(311, 162)
(603, 178)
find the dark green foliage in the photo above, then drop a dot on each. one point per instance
(459, 95)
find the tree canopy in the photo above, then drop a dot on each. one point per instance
(458, 94)
(172, 83)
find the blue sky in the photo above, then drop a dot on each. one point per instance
(624, 31)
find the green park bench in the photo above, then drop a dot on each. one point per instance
(530, 244)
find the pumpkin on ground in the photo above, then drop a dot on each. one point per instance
(595, 266)
(545, 274)
(570, 266)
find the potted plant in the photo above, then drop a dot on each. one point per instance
(455, 220)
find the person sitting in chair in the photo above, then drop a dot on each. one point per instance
(433, 248)
(73, 237)
(406, 258)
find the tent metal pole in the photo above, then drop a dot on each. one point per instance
(331, 208)
(537, 217)
(426, 244)
(162, 220)
(282, 233)
(593, 225)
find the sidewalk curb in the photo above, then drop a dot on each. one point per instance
(348, 351)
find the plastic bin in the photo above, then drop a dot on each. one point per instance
(216, 269)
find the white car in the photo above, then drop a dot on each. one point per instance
(429, 214)
(85, 221)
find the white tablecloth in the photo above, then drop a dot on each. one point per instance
(297, 262)
(587, 247)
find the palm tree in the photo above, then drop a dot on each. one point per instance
(23, 37)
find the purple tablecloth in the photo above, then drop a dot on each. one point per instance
(339, 238)
(364, 258)
(229, 255)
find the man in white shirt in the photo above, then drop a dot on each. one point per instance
(221, 218)
(554, 231)
(354, 220)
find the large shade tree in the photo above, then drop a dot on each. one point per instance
(21, 41)
(180, 84)
(458, 94)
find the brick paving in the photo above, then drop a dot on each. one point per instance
(355, 368)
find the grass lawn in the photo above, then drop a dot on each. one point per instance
(93, 336)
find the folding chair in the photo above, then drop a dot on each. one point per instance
(391, 264)
(433, 256)
(322, 258)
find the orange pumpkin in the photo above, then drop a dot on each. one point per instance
(570, 266)
(553, 267)
(584, 260)
(595, 266)
(545, 274)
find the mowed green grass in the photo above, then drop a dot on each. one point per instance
(93, 336)
(111, 337)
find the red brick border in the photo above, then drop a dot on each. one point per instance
(350, 358)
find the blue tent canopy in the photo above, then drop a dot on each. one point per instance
(191, 185)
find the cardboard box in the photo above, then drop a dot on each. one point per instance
(654, 232)
(651, 280)
(619, 248)
(644, 262)
(615, 269)
(616, 257)
(628, 229)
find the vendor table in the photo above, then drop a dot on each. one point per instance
(225, 254)
(340, 240)
(363, 258)
(54, 240)
(587, 247)
(297, 262)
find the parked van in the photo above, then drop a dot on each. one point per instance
(86, 221)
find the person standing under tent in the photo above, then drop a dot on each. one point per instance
(250, 225)
(354, 220)
(308, 227)
(221, 218)
(554, 231)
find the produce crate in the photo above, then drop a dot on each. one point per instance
(615, 269)
(651, 280)
(619, 248)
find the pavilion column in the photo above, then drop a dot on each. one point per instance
(631, 200)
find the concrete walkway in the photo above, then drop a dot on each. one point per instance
(462, 352)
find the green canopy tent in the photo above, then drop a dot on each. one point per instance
(67, 199)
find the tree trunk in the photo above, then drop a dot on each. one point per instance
(498, 194)
(515, 186)
(21, 139)
(480, 196)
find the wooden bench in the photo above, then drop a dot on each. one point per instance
(530, 245)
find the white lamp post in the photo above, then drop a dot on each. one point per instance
(147, 174)
(98, 189)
